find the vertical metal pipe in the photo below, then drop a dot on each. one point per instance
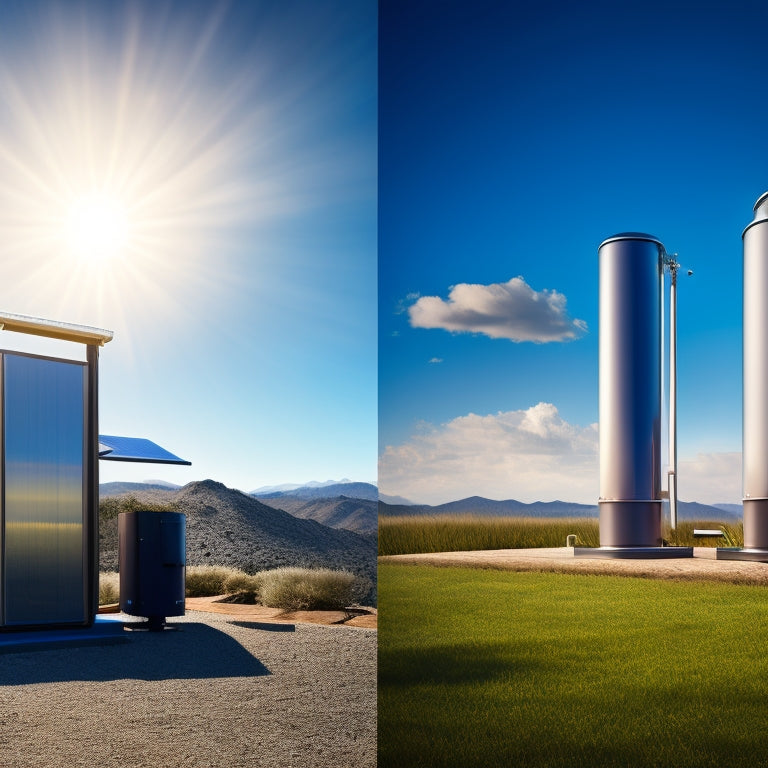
(91, 581)
(672, 473)
(630, 390)
(755, 413)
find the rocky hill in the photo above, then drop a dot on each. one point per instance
(227, 527)
(360, 515)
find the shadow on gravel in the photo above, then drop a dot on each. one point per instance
(193, 651)
(269, 626)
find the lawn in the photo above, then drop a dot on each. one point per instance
(493, 668)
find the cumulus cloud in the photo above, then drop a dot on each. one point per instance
(511, 310)
(710, 478)
(436, 360)
(529, 455)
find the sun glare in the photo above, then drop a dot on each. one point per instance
(96, 228)
(135, 157)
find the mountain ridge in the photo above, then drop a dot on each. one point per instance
(351, 490)
(228, 527)
(478, 505)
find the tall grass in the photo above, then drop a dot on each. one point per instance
(405, 535)
(683, 535)
(402, 535)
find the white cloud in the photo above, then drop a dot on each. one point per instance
(436, 360)
(710, 478)
(529, 455)
(511, 310)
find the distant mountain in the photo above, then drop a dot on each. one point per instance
(117, 488)
(295, 486)
(394, 499)
(477, 505)
(350, 490)
(734, 509)
(163, 483)
(360, 515)
(227, 527)
(692, 510)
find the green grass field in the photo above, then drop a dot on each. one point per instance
(491, 668)
(400, 535)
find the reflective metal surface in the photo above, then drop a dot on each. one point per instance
(630, 390)
(755, 414)
(44, 505)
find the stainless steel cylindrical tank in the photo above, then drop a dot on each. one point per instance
(755, 404)
(631, 269)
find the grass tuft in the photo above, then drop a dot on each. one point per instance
(109, 587)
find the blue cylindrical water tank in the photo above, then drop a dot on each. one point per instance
(631, 268)
(152, 563)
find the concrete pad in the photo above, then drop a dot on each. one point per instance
(105, 631)
(702, 566)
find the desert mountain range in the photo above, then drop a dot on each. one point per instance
(228, 527)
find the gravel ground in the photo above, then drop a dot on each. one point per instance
(217, 692)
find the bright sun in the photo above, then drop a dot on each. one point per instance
(96, 227)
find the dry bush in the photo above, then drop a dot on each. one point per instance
(245, 587)
(208, 580)
(109, 587)
(310, 589)
(111, 506)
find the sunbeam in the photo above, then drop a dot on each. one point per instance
(125, 165)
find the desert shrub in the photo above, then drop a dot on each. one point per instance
(208, 580)
(309, 589)
(110, 507)
(109, 587)
(246, 587)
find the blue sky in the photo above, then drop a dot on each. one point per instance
(513, 139)
(200, 178)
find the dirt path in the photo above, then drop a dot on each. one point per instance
(262, 613)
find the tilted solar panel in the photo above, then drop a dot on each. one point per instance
(115, 448)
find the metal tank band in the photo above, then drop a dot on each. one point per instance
(631, 268)
(755, 413)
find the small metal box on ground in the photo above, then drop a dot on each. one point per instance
(152, 563)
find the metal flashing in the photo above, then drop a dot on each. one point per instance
(53, 329)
